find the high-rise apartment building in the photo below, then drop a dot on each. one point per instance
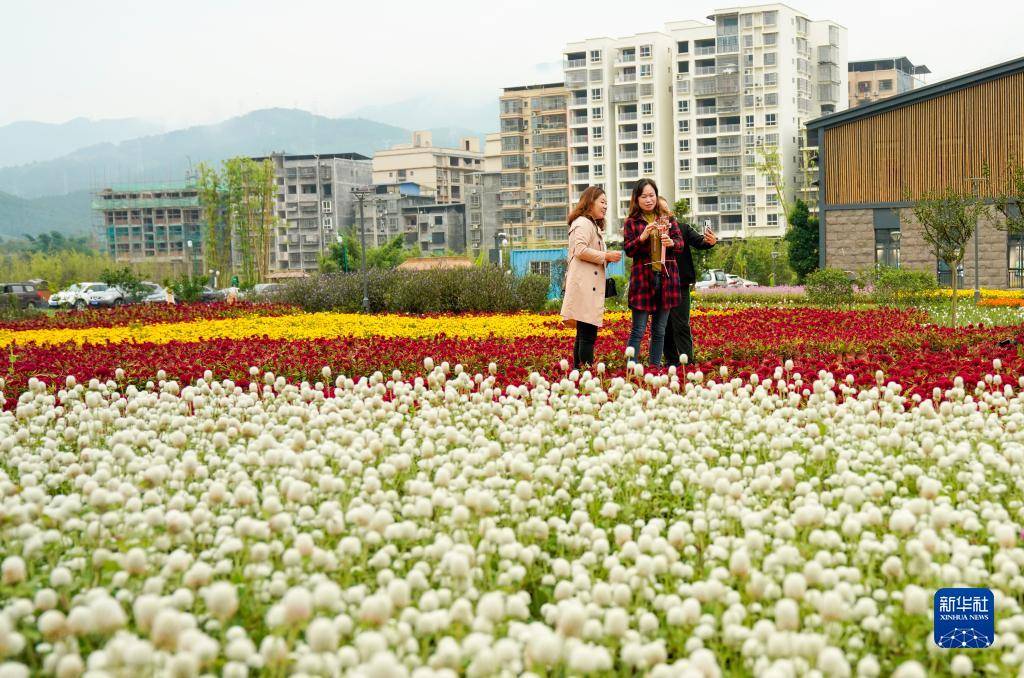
(314, 202)
(444, 172)
(534, 200)
(700, 108)
(877, 79)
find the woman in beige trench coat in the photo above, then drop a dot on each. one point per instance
(583, 303)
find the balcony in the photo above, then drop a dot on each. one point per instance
(625, 78)
(707, 187)
(707, 169)
(707, 110)
(705, 51)
(578, 101)
(733, 128)
(628, 136)
(729, 168)
(707, 149)
(580, 177)
(730, 205)
(625, 117)
(576, 79)
(728, 45)
(729, 147)
(624, 93)
(626, 58)
(705, 70)
(576, 120)
(706, 129)
(570, 64)
(628, 155)
(580, 157)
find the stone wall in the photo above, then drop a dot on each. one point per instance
(850, 246)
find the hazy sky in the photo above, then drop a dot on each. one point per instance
(192, 61)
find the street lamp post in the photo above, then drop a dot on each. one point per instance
(500, 242)
(775, 257)
(361, 193)
(976, 181)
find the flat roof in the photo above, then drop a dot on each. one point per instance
(520, 88)
(314, 156)
(902, 63)
(920, 94)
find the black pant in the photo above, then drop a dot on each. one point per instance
(678, 338)
(583, 346)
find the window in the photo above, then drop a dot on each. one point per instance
(647, 128)
(540, 268)
(771, 99)
(771, 79)
(647, 109)
(597, 132)
(748, 20)
(645, 70)
(438, 220)
(770, 119)
(749, 180)
(770, 18)
(645, 51)
(683, 46)
(885, 85)
(683, 106)
(597, 151)
(770, 58)
(945, 278)
(772, 200)
(864, 86)
(751, 220)
(595, 56)
(684, 145)
(597, 113)
(648, 167)
(683, 67)
(292, 189)
(684, 165)
(751, 200)
(748, 41)
(328, 222)
(1015, 260)
(598, 170)
(887, 237)
(773, 219)
(686, 184)
(595, 94)
(770, 39)
(648, 147)
(748, 121)
(684, 125)
(771, 140)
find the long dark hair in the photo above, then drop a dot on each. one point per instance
(585, 204)
(634, 200)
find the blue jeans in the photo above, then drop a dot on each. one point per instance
(658, 323)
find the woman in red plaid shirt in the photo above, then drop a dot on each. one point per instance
(651, 240)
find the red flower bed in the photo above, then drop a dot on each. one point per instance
(147, 314)
(921, 357)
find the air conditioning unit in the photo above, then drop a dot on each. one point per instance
(326, 206)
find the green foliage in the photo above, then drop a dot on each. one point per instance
(389, 255)
(445, 290)
(186, 288)
(946, 220)
(829, 287)
(125, 279)
(1009, 198)
(901, 287)
(620, 287)
(344, 257)
(750, 258)
(59, 269)
(681, 209)
(11, 309)
(55, 241)
(802, 241)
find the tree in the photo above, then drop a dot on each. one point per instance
(126, 280)
(1009, 198)
(802, 240)
(947, 220)
(771, 165)
(389, 255)
(213, 199)
(681, 209)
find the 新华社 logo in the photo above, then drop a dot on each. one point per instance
(964, 618)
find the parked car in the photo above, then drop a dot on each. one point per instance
(154, 294)
(713, 278)
(108, 296)
(262, 291)
(75, 296)
(42, 288)
(24, 294)
(736, 281)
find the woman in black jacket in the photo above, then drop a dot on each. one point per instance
(678, 338)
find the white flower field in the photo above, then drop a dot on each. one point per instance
(588, 526)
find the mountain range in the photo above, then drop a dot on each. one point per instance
(30, 141)
(52, 193)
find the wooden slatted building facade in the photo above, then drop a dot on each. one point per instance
(875, 160)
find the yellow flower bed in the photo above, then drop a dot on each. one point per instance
(986, 293)
(312, 326)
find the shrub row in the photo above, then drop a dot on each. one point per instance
(452, 290)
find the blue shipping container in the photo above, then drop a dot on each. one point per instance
(523, 260)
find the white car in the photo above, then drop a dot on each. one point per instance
(76, 295)
(736, 281)
(108, 296)
(153, 294)
(713, 278)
